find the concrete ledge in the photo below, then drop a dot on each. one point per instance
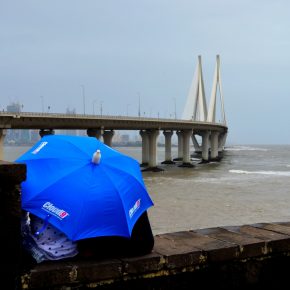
(254, 256)
(13, 173)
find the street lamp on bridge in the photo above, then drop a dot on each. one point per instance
(127, 111)
(42, 104)
(139, 106)
(84, 99)
(174, 99)
(94, 101)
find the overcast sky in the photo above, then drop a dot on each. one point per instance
(59, 53)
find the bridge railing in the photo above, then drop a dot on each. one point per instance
(91, 116)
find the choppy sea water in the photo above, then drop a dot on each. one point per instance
(251, 184)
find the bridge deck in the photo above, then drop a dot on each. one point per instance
(25, 120)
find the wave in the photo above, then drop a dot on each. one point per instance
(195, 159)
(245, 148)
(279, 173)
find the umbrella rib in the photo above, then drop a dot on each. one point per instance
(116, 191)
(65, 176)
(78, 148)
(49, 159)
(118, 169)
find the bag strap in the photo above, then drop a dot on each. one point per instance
(42, 229)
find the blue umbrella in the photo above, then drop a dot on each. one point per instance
(83, 187)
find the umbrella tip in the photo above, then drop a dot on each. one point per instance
(96, 157)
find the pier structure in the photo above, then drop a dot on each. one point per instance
(198, 120)
(196, 109)
(2, 137)
(168, 155)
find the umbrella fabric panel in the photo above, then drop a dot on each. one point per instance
(81, 198)
(104, 209)
(77, 147)
(99, 205)
(135, 201)
(41, 175)
(128, 165)
(57, 162)
(133, 194)
(49, 147)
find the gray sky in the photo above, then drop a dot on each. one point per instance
(119, 49)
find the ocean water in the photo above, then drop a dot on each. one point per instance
(251, 184)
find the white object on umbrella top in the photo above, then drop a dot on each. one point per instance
(97, 157)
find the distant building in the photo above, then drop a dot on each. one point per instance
(20, 136)
(15, 136)
(14, 107)
(125, 138)
(70, 111)
(70, 131)
(34, 136)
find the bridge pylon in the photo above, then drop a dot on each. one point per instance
(195, 108)
(216, 87)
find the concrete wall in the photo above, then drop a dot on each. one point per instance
(253, 256)
(11, 175)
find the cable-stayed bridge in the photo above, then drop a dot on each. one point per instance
(198, 122)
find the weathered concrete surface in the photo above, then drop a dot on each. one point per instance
(241, 257)
(11, 175)
(253, 256)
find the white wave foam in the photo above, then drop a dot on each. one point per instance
(244, 148)
(279, 173)
(195, 159)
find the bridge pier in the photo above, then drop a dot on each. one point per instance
(108, 137)
(44, 132)
(205, 146)
(152, 165)
(153, 134)
(197, 147)
(186, 134)
(97, 133)
(3, 133)
(180, 145)
(168, 155)
(222, 141)
(145, 147)
(214, 145)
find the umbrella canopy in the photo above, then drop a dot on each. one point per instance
(83, 187)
